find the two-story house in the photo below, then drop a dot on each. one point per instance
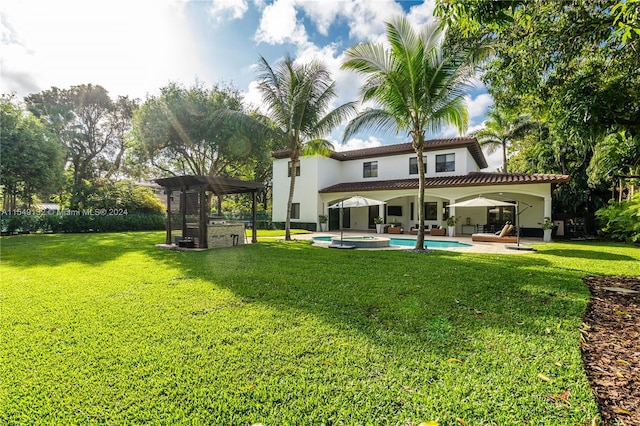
(390, 173)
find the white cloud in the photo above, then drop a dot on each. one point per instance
(323, 13)
(253, 98)
(75, 42)
(279, 24)
(222, 10)
(422, 13)
(367, 18)
(478, 106)
(355, 143)
(494, 160)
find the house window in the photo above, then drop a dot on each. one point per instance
(431, 211)
(295, 210)
(289, 169)
(413, 165)
(370, 169)
(445, 163)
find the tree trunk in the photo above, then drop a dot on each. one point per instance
(504, 157)
(287, 225)
(420, 161)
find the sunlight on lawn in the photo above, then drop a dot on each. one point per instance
(106, 328)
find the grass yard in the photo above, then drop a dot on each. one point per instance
(106, 329)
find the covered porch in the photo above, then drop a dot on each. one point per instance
(532, 193)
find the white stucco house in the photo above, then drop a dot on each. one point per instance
(389, 173)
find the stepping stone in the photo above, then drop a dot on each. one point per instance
(620, 290)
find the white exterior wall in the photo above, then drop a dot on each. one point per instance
(320, 172)
(315, 173)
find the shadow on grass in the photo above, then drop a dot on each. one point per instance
(434, 300)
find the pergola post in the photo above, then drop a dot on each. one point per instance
(202, 225)
(168, 192)
(254, 232)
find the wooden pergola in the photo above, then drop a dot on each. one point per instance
(195, 187)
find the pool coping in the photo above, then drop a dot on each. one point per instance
(474, 246)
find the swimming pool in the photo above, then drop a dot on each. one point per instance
(409, 242)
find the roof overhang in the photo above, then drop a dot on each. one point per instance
(471, 179)
(217, 185)
(471, 143)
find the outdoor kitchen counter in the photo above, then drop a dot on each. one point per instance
(225, 234)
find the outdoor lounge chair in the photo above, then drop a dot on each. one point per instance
(439, 231)
(503, 237)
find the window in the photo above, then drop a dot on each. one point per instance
(499, 215)
(413, 165)
(445, 163)
(297, 169)
(370, 169)
(394, 211)
(295, 210)
(431, 211)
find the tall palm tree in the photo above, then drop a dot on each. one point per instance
(418, 87)
(296, 98)
(498, 132)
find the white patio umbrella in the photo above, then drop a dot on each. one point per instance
(481, 202)
(355, 201)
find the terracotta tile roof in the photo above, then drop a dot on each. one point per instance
(470, 143)
(472, 179)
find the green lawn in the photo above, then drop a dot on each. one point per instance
(107, 329)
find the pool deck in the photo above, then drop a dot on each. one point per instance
(474, 247)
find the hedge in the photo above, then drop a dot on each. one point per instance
(309, 226)
(10, 224)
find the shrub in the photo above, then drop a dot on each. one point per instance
(81, 223)
(621, 221)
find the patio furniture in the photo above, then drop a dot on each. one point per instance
(396, 230)
(502, 237)
(440, 232)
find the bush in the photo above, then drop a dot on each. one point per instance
(621, 221)
(81, 223)
(307, 226)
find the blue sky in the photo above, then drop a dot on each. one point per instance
(135, 47)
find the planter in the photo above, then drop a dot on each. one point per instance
(379, 228)
(452, 231)
(546, 235)
(323, 227)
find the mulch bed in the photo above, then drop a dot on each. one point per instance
(611, 347)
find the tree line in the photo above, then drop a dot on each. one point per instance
(82, 149)
(565, 78)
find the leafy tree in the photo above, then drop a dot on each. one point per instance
(574, 64)
(179, 131)
(123, 195)
(616, 157)
(32, 160)
(297, 98)
(90, 125)
(418, 86)
(499, 132)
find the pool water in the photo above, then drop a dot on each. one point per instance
(408, 242)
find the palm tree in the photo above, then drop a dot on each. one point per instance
(296, 98)
(499, 132)
(417, 85)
